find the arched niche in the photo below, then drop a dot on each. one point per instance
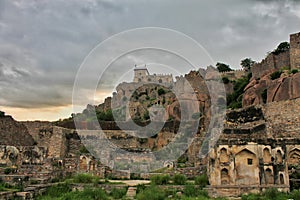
(279, 158)
(223, 155)
(267, 155)
(83, 164)
(281, 179)
(294, 157)
(269, 176)
(224, 177)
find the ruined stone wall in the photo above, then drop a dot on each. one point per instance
(270, 63)
(295, 50)
(14, 133)
(233, 75)
(283, 118)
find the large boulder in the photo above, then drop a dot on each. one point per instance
(284, 88)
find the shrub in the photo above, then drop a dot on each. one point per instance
(7, 170)
(271, 193)
(275, 75)
(161, 91)
(179, 179)
(225, 80)
(58, 190)
(118, 193)
(295, 194)
(190, 191)
(87, 194)
(85, 178)
(201, 180)
(160, 179)
(294, 71)
(151, 193)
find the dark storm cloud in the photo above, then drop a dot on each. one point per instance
(42, 43)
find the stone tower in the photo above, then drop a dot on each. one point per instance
(295, 50)
(140, 73)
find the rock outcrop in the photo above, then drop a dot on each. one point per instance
(266, 90)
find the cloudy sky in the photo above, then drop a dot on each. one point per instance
(44, 42)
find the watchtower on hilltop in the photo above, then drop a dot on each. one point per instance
(141, 74)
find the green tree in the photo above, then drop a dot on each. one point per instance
(282, 47)
(223, 67)
(247, 63)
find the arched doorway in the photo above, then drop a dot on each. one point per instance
(269, 176)
(224, 177)
(281, 179)
(294, 157)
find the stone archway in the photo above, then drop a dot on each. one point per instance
(224, 177)
(83, 164)
(246, 166)
(269, 176)
(281, 179)
(294, 157)
(223, 155)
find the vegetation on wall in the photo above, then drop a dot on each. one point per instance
(282, 47)
(234, 100)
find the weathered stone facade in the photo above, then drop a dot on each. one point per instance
(295, 50)
(258, 146)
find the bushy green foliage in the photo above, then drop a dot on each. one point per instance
(294, 71)
(85, 178)
(6, 187)
(201, 180)
(2, 114)
(105, 116)
(275, 75)
(223, 67)
(179, 179)
(118, 193)
(57, 191)
(160, 179)
(192, 191)
(161, 91)
(247, 63)
(234, 100)
(7, 170)
(282, 47)
(225, 80)
(272, 194)
(151, 193)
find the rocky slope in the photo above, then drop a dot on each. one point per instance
(266, 90)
